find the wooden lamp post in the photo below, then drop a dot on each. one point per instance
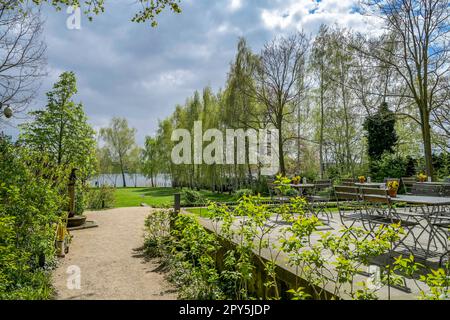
(72, 182)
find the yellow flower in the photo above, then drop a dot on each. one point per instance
(422, 176)
(393, 185)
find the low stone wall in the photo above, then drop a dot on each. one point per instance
(286, 279)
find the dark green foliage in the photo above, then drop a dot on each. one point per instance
(243, 192)
(188, 250)
(390, 166)
(191, 197)
(441, 163)
(261, 186)
(381, 134)
(30, 202)
(411, 167)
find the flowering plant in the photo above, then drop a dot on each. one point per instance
(393, 185)
(296, 180)
(422, 177)
(362, 179)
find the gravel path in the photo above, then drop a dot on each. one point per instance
(111, 264)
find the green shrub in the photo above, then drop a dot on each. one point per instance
(191, 197)
(291, 193)
(31, 200)
(81, 198)
(261, 186)
(441, 163)
(101, 198)
(188, 252)
(389, 166)
(243, 192)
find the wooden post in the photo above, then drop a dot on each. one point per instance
(176, 208)
(177, 203)
(72, 181)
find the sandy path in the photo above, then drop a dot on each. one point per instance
(110, 262)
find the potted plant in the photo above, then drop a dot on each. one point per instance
(392, 187)
(422, 177)
(362, 179)
(296, 180)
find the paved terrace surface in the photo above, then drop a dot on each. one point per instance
(334, 226)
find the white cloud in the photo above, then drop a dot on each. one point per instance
(285, 13)
(169, 79)
(310, 14)
(235, 5)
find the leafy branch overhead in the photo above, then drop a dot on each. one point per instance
(150, 9)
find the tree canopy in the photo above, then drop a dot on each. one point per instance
(149, 11)
(61, 129)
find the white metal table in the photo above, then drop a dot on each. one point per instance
(431, 206)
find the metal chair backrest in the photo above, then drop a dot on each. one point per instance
(422, 189)
(373, 191)
(378, 196)
(346, 193)
(408, 183)
(322, 184)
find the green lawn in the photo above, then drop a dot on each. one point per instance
(201, 212)
(157, 197)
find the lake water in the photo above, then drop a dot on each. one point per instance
(132, 180)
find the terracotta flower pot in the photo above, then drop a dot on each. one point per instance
(362, 180)
(392, 193)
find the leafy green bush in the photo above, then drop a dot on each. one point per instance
(101, 198)
(441, 163)
(261, 186)
(242, 192)
(191, 197)
(389, 166)
(187, 250)
(31, 198)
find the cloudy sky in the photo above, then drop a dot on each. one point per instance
(138, 72)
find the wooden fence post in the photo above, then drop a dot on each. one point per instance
(176, 208)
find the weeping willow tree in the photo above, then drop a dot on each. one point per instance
(319, 100)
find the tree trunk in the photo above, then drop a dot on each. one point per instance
(322, 123)
(348, 154)
(123, 174)
(426, 135)
(298, 140)
(281, 151)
